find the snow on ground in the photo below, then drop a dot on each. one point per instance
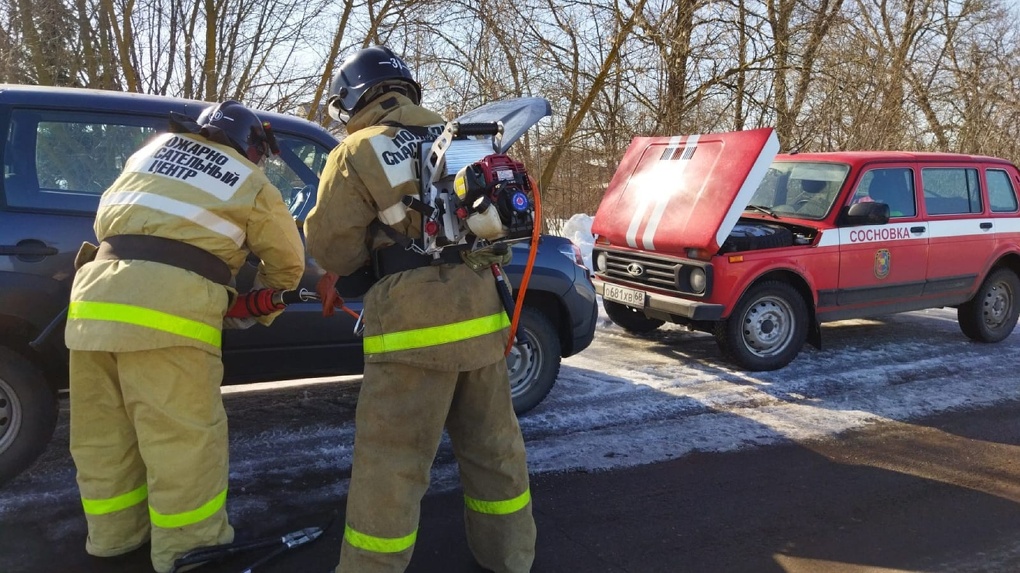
(624, 401)
(628, 401)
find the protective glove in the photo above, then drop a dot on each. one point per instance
(238, 323)
(326, 289)
(485, 258)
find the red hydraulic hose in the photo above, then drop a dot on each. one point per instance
(535, 232)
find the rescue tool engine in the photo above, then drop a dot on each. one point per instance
(472, 193)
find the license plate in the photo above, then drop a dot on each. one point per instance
(628, 296)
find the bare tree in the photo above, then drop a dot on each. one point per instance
(827, 74)
(799, 28)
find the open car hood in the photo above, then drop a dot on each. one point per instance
(517, 115)
(688, 191)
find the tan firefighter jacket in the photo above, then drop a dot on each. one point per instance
(444, 317)
(181, 187)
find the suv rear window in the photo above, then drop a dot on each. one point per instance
(951, 190)
(1001, 194)
(64, 160)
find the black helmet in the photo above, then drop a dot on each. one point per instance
(366, 69)
(231, 123)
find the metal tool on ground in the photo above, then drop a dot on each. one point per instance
(280, 543)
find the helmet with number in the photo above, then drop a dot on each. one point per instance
(231, 123)
(365, 76)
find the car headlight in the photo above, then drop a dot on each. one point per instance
(698, 280)
(601, 262)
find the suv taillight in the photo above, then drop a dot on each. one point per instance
(573, 252)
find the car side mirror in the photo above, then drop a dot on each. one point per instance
(869, 213)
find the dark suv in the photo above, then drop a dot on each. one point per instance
(62, 147)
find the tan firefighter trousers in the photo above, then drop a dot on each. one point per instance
(399, 422)
(149, 440)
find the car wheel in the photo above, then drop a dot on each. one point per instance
(534, 360)
(767, 328)
(630, 318)
(992, 314)
(28, 413)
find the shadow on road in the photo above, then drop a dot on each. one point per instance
(937, 493)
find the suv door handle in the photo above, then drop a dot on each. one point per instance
(986, 225)
(28, 249)
(917, 229)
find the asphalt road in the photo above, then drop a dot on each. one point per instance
(902, 490)
(940, 494)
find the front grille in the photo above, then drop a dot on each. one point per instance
(674, 275)
(658, 273)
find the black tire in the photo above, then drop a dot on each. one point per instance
(28, 413)
(767, 328)
(754, 236)
(992, 314)
(630, 318)
(534, 361)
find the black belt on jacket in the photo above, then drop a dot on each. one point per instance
(166, 251)
(396, 258)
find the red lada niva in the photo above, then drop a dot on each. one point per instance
(722, 234)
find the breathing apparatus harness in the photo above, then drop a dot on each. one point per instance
(472, 199)
(481, 203)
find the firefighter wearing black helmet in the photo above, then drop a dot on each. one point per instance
(148, 429)
(434, 339)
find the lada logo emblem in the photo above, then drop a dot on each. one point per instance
(635, 270)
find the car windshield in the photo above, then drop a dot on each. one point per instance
(801, 189)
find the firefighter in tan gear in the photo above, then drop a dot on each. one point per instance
(434, 339)
(148, 429)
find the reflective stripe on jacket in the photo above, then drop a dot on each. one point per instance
(185, 188)
(435, 335)
(443, 317)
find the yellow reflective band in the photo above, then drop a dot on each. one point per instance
(146, 317)
(498, 507)
(169, 521)
(379, 544)
(104, 506)
(436, 335)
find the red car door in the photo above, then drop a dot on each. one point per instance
(961, 233)
(882, 264)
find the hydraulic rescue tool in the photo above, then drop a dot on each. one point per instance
(260, 302)
(213, 553)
